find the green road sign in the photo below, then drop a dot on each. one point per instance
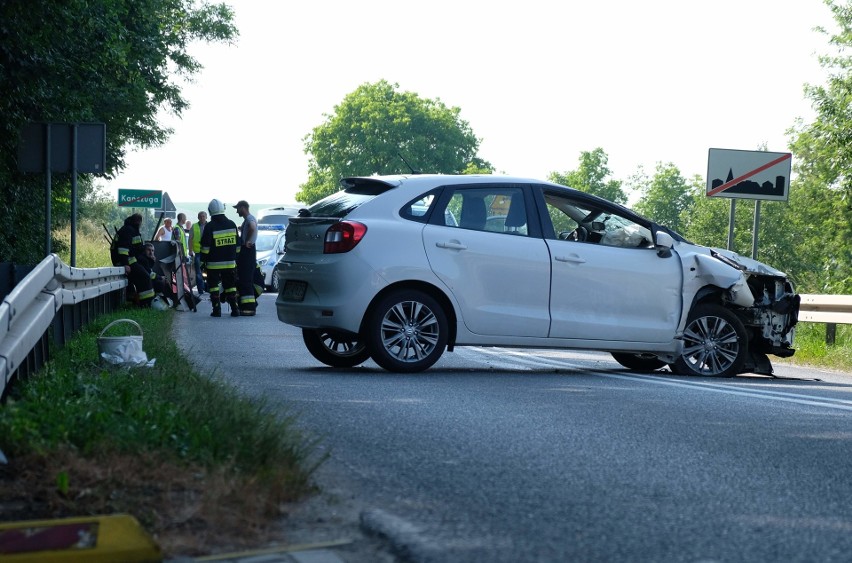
(140, 198)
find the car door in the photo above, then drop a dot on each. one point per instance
(609, 283)
(499, 277)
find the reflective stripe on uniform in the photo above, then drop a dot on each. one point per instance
(227, 237)
(224, 265)
(147, 294)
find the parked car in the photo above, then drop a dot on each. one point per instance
(269, 247)
(278, 215)
(368, 274)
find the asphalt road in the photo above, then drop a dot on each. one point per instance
(531, 455)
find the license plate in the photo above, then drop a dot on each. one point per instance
(294, 290)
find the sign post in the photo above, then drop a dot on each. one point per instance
(78, 148)
(754, 175)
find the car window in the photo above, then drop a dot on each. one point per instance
(493, 209)
(339, 204)
(582, 222)
(265, 241)
(420, 209)
(275, 219)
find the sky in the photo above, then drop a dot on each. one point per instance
(537, 81)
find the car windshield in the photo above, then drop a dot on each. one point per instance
(338, 205)
(265, 241)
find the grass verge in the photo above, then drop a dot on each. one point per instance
(812, 350)
(195, 462)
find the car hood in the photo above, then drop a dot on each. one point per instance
(745, 264)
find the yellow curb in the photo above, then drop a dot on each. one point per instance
(96, 539)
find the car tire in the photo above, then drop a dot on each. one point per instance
(276, 281)
(406, 331)
(638, 362)
(715, 343)
(333, 349)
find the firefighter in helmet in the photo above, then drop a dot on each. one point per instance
(129, 251)
(219, 247)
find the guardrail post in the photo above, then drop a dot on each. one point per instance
(830, 333)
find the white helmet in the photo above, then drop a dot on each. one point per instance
(216, 207)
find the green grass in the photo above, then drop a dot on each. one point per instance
(157, 442)
(811, 347)
(169, 409)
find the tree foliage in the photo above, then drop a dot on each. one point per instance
(378, 130)
(593, 176)
(822, 193)
(666, 195)
(111, 61)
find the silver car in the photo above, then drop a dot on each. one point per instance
(269, 248)
(402, 268)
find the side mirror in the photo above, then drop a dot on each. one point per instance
(664, 243)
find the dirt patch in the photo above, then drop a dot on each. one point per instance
(187, 510)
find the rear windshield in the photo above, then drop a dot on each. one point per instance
(356, 192)
(276, 219)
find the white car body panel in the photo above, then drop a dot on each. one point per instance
(599, 291)
(504, 293)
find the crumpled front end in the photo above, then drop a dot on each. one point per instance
(761, 297)
(773, 315)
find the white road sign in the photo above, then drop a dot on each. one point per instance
(748, 174)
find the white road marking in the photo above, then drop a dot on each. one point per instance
(515, 358)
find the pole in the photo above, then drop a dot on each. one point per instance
(731, 224)
(756, 227)
(73, 195)
(47, 188)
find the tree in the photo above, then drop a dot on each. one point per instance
(824, 160)
(378, 130)
(592, 177)
(111, 61)
(666, 196)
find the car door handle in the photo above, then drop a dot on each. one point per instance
(572, 258)
(451, 245)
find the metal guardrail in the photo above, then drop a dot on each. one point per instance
(829, 309)
(51, 303)
(832, 309)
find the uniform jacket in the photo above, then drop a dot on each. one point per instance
(219, 243)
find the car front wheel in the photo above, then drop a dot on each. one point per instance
(406, 331)
(335, 350)
(715, 343)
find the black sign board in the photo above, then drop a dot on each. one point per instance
(91, 147)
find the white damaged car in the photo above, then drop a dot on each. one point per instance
(401, 268)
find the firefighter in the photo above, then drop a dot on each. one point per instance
(128, 251)
(219, 250)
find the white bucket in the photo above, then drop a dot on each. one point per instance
(119, 346)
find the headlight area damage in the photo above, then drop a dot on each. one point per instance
(762, 298)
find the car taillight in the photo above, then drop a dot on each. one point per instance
(343, 236)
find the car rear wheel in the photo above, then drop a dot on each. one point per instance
(406, 331)
(715, 343)
(335, 350)
(638, 362)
